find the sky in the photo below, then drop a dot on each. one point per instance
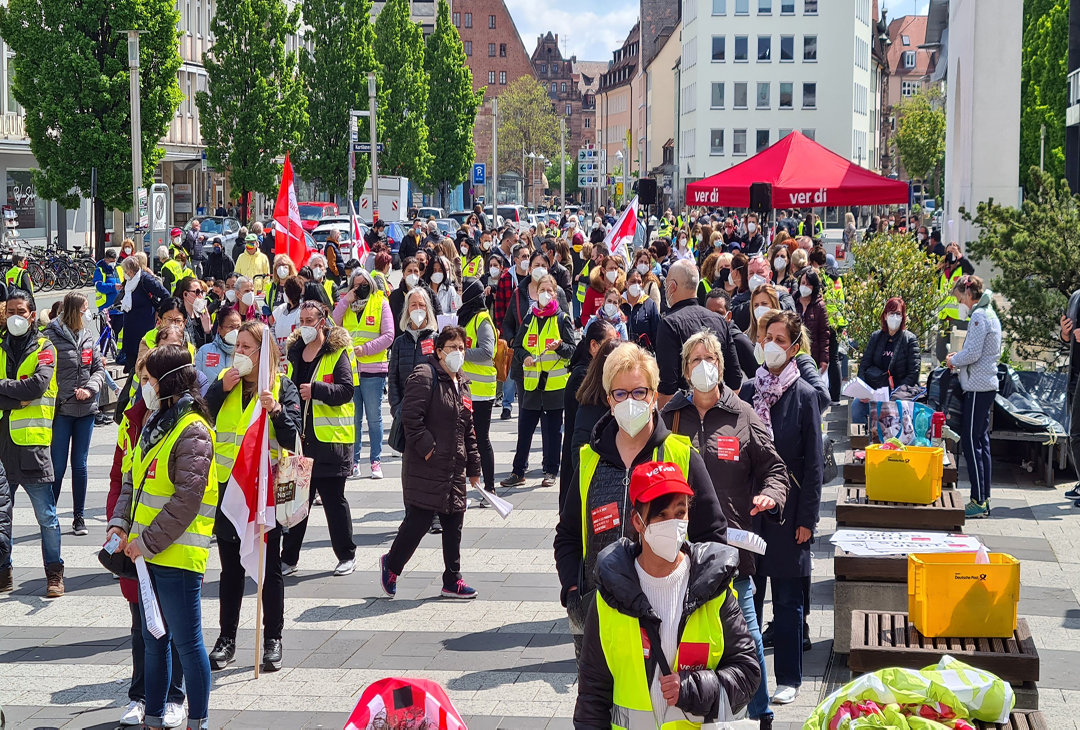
(898, 8)
(591, 32)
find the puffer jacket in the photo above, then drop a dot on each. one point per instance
(437, 417)
(79, 365)
(24, 464)
(712, 567)
(5, 517)
(903, 365)
(405, 354)
(213, 357)
(976, 363)
(189, 462)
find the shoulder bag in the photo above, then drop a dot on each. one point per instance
(292, 483)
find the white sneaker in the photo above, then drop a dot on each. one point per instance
(287, 569)
(134, 714)
(355, 472)
(345, 567)
(174, 715)
(785, 695)
(376, 470)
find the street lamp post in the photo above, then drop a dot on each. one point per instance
(622, 159)
(136, 125)
(494, 159)
(374, 149)
(562, 162)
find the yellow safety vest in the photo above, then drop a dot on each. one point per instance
(333, 424)
(624, 651)
(14, 276)
(173, 266)
(675, 449)
(819, 228)
(834, 297)
(708, 287)
(150, 338)
(481, 374)
(367, 326)
(472, 268)
(950, 308)
(557, 368)
(190, 550)
(231, 425)
(31, 425)
(583, 285)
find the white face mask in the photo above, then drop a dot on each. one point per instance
(248, 298)
(964, 311)
(242, 364)
(635, 290)
(751, 227)
(760, 311)
(18, 325)
(611, 309)
(282, 271)
(666, 538)
(437, 277)
(230, 337)
(780, 264)
(494, 272)
(231, 295)
(632, 415)
(523, 266)
(612, 275)
(454, 360)
(759, 353)
(893, 321)
(150, 397)
(539, 273)
(318, 272)
(704, 376)
(775, 356)
(309, 334)
(682, 242)
(464, 250)
(757, 280)
(805, 291)
(486, 245)
(88, 316)
(544, 298)
(418, 317)
(643, 269)
(411, 279)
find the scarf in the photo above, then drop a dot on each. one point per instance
(768, 388)
(129, 289)
(548, 311)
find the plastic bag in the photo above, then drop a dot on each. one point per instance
(901, 419)
(292, 483)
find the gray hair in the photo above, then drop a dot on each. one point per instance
(317, 259)
(685, 275)
(712, 346)
(431, 322)
(162, 252)
(240, 281)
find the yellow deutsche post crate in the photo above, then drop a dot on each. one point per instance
(952, 596)
(912, 475)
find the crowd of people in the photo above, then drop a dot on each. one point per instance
(678, 382)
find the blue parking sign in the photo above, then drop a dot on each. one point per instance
(479, 173)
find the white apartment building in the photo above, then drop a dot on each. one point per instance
(754, 70)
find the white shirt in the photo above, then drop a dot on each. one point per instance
(284, 323)
(666, 596)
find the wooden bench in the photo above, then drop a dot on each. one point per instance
(1018, 721)
(855, 471)
(853, 509)
(1044, 438)
(879, 568)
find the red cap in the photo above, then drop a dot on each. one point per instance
(176, 232)
(656, 478)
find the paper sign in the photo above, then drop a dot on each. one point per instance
(693, 655)
(857, 388)
(427, 347)
(746, 540)
(87, 357)
(727, 448)
(213, 359)
(151, 610)
(605, 518)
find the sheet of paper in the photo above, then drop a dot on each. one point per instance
(746, 540)
(503, 507)
(447, 320)
(857, 388)
(877, 542)
(154, 622)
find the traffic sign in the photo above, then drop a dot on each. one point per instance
(618, 188)
(479, 173)
(586, 168)
(365, 147)
(586, 155)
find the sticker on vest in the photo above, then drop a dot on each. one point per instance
(370, 320)
(605, 518)
(213, 359)
(532, 341)
(547, 342)
(151, 473)
(727, 448)
(468, 342)
(45, 357)
(427, 347)
(466, 400)
(328, 378)
(693, 655)
(87, 357)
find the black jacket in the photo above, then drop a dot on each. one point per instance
(642, 322)
(904, 365)
(218, 265)
(570, 409)
(562, 279)
(410, 244)
(707, 523)
(519, 308)
(24, 464)
(405, 354)
(740, 307)
(193, 244)
(738, 675)
(683, 320)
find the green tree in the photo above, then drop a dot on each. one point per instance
(527, 121)
(71, 77)
(920, 135)
(452, 104)
(1036, 250)
(885, 267)
(253, 109)
(1043, 71)
(335, 82)
(552, 173)
(403, 99)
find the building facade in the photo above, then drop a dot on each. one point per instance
(620, 110)
(660, 115)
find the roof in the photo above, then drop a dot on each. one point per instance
(624, 60)
(914, 28)
(590, 75)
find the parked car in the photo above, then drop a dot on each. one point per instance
(426, 213)
(311, 213)
(448, 226)
(343, 224)
(212, 225)
(515, 214)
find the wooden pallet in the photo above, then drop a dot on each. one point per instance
(855, 471)
(880, 640)
(1018, 721)
(853, 509)
(884, 568)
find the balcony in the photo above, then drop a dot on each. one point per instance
(1072, 105)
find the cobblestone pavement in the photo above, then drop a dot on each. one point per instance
(506, 659)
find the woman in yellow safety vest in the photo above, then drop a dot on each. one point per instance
(472, 259)
(479, 368)
(275, 287)
(174, 497)
(322, 366)
(665, 643)
(232, 408)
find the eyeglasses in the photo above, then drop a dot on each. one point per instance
(173, 320)
(708, 358)
(637, 394)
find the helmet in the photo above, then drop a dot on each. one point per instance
(176, 233)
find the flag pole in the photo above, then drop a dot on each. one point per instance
(258, 599)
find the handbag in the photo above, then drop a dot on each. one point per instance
(503, 357)
(118, 563)
(396, 439)
(830, 471)
(292, 483)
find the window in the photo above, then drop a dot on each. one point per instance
(787, 48)
(491, 77)
(502, 50)
(787, 7)
(762, 140)
(689, 53)
(763, 93)
(809, 133)
(738, 143)
(569, 110)
(809, 7)
(718, 46)
(786, 94)
(741, 48)
(468, 20)
(457, 20)
(190, 98)
(491, 20)
(908, 88)
(906, 40)
(740, 95)
(491, 50)
(554, 86)
(562, 87)
(783, 133)
(764, 48)
(717, 95)
(543, 68)
(198, 18)
(502, 78)
(716, 142)
(764, 7)
(719, 7)
(468, 48)
(588, 122)
(742, 7)
(809, 48)
(909, 59)
(809, 96)
(554, 66)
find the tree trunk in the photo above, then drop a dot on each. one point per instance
(244, 208)
(99, 228)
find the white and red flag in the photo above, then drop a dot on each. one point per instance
(248, 501)
(360, 247)
(406, 701)
(621, 235)
(289, 230)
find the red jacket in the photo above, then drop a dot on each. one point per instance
(136, 415)
(594, 301)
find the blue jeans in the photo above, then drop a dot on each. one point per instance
(179, 594)
(41, 497)
(759, 703)
(368, 399)
(137, 690)
(860, 412)
(975, 439)
(508, 393)
(71, 433)
(788, 617)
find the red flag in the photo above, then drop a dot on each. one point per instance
(248, 501)
(621, 235)
(393, 699)
(360, 247)
(289, 230)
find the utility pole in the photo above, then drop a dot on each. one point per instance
(1042, 145)
(494, 159)
(136, 125)
(562, 162)
(374, 149)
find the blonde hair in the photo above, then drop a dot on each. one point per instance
(774, 306)
(724, 260)
(629, 357)
(140, 256)
(256, 330)
(283, 260)
(712, 346)
(799, 260)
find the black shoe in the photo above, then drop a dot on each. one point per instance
(765, 723)
(807, 644)
(767, 635)
(78, 526)
(1073, 493)
(102, 419)
(505, 414)
(271, 661)
(224, 653)
(7, 580)
(513, 481)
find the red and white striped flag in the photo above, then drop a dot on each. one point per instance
(288, 228)
(248, 501)
(621, 235)
(360, 247)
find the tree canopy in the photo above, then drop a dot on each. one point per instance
(1043, 72)
(527, 121)
(403, 93)
(920, 134)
